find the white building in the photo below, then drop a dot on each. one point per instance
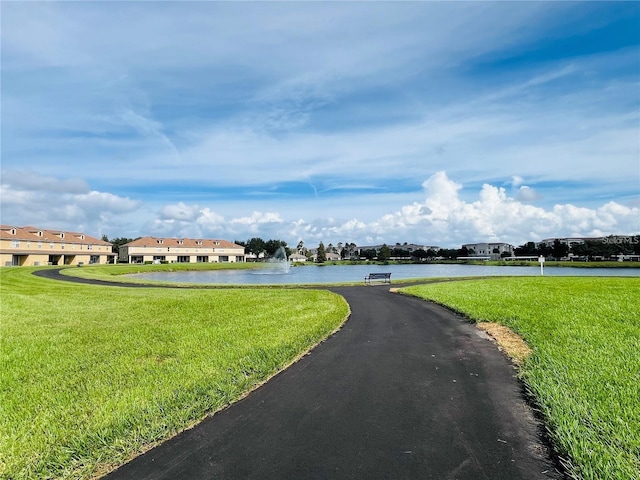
(493, 251)
(180, 250)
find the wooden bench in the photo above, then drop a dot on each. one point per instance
(383, 277)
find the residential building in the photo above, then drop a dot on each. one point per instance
(569, 241)
(492, 251)
(31, 246)
(329, 256)
(296, 257)
(180, 250)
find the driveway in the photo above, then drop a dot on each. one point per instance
(405, 390)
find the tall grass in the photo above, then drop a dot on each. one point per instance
(585, 370)
(89, 375)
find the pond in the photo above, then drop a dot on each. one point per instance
(313, 274)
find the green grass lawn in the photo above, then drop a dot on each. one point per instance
(89, 375)
(584, 372)
(118, 273)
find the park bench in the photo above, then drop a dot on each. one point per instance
(383, 277)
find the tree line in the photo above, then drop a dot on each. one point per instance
(589, 249)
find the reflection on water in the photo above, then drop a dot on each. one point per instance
(313, 274)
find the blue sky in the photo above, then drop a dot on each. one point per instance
(438, 123)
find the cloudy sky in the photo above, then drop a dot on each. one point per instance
(436, 123)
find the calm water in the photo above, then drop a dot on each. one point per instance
(356, 273)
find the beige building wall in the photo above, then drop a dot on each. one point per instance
(174, 250)
(29, 246)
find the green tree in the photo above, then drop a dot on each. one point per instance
(322, 254)
(256, 246)
(420, 254)
(528, 249)
(384, 253)
(369, 253)
(272, 246)
(348, 251)
(559, 249)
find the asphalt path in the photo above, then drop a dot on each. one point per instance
(405, 390)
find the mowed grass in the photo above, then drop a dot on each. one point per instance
(91, 375)
(584, 373)
(118, 273)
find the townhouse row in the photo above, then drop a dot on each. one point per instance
(31, 246)
(180, 250)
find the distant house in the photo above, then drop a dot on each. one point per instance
(568, 241)
(330, 256)
(32, 246)
(296, 257)
(493, 251)
(180, 250)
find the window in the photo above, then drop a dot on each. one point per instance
(89, 247)
(39, 244)
(15, 243)
(160, 241)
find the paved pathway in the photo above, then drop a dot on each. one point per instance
(405, 390)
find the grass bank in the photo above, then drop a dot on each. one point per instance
(584, 372)
(90, 375)
(118, 272)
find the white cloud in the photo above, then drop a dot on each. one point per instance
(48, 202)
(28, 180)
(258, 218)
(516, 181)
(527, 194)
(97, 202)
(180, 211)
(441, 217)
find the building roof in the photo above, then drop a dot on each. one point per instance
(181, 242)
(34, 234)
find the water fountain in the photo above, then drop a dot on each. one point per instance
(278, 263)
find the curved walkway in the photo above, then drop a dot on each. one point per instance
(405, 390)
